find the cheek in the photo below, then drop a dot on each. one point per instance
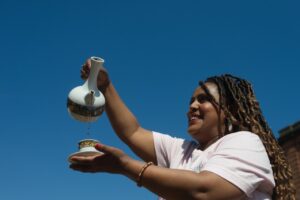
(210, 113)
(207, 108)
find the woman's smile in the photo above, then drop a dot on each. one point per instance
(194, 119)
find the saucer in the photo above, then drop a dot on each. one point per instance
(84, 154)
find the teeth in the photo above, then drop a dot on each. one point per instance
(194, 117)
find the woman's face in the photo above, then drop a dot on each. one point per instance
(203, 119)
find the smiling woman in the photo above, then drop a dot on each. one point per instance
(241, 112)
(204, 116)
(234, 155)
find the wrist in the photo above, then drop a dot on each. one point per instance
(104, 86)
(126, 163)
(131, 168)
(139, 180)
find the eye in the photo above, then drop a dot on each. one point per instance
(192, 100)
(201, 98)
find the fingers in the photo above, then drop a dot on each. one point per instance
(82, 168)
(83, 164)
(88, 62)
(104, 148)
(85, 69)
(112, 160)
(102, 79)
(82, 160)
(84, 74)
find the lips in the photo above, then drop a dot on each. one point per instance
(194, 118)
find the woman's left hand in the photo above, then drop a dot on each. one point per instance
(112, 160)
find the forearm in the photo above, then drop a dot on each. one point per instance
(168, 183)
(122, 120)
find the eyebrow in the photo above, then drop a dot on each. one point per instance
(204, 94)
(193, 98)
(209, 96)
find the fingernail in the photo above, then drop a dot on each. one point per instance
(98, 145)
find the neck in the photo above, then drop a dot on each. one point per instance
(205, 145)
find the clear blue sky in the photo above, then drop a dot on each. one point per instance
(155, 51)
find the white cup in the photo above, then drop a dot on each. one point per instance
(87, 145)
(86, 148)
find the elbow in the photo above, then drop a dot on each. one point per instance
(199, 195)
(191, 195)
(201, 192)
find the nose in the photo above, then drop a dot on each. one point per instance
(192, 109)
(194, 106)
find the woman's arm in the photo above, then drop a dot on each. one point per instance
(127, 127)
(171, 184)
(123, 121)
(182, 184)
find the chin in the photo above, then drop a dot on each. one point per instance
(194, 129)
(196, 133)
(193, 133)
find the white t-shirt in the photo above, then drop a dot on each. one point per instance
(239, 157)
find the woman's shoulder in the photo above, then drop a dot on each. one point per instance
(171, 150)
(241, 140)
(172, 140)
(241, 135)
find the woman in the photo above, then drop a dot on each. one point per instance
(235, 155)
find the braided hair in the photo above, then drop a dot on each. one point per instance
(242, 112)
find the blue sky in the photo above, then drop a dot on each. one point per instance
(155, 51)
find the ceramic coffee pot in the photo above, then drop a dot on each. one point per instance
(86, 103)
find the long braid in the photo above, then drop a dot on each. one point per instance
(241, 108)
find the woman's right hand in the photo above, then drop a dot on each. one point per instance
(113, 160)
(103, 78)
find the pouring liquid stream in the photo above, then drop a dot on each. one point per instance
(88, 133)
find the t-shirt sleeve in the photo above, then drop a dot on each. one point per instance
(168, 149)
(242, 160)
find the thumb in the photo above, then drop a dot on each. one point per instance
(104, 148)
(88, 63)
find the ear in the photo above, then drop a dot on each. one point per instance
(232, 109)
(231, 123)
